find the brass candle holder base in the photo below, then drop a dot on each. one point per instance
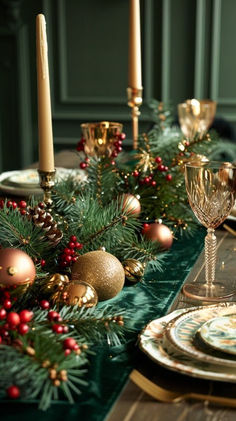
(134, 101)
(47, 182)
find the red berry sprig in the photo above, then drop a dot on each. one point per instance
(118, 145)
(14, 322)
(70, 253)
(80, 144)
(54, 316)
(69, 345)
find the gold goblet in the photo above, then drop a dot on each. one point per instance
(100, 137)
(211, 189)
(196, 117)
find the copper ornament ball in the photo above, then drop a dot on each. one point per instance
(160, 233)
(102, 270)
(16, 267)
(131, 204)
(81, 294)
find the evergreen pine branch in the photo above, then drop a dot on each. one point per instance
(96, 324)
(17, 231)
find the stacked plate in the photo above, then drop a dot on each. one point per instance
(198, 341)
(26, 182)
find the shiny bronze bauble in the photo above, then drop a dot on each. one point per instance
(16, 267)
(160, 233)
(102, 270)
(81, 294)
(134, 270)
(131, 205)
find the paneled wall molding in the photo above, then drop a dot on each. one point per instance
(72, 107)
(166, 40)
(188, 51)
(200, 51)
(12, 13)
(24, 104)
(216, 38)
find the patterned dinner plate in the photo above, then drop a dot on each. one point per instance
(181, 332)
(152, 343)
(220, 333)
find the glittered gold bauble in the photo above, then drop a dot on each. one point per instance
(16, 267)
(160, 233)
(131, 204)
(134, 270)
(102, 270)
(81, 294)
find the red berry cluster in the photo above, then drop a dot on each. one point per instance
(69, 254)
(11, 204)
(162, 168)
(53, 317)
(118, 144)
(148, 180)
(69, 345)
(14, 321)
(80, 144)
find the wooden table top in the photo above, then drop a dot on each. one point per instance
(136, 405)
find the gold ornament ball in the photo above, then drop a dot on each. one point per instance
(16, 267)
(134, 270)
(81, 294)
(160, 233)
(102, 270)
(131, 204)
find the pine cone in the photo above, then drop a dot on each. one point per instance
(44, 220)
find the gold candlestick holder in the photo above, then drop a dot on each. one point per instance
(47, 182)
(134, 101)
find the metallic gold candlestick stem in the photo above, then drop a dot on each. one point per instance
(47, 182)
(134, 101)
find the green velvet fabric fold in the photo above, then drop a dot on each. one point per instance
(110, 367)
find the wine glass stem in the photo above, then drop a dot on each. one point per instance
(210, 256)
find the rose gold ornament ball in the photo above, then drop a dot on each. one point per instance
(16, 267)
(102, 270)
(131, 204)
(160, 233)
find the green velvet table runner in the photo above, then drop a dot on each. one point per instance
(110, 367)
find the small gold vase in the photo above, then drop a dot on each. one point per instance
(196, 117)
(100, 137)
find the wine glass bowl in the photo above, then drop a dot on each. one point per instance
(196, 117)
(211, 193)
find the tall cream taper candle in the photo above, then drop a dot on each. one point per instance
(46, 153)
(135, 68)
